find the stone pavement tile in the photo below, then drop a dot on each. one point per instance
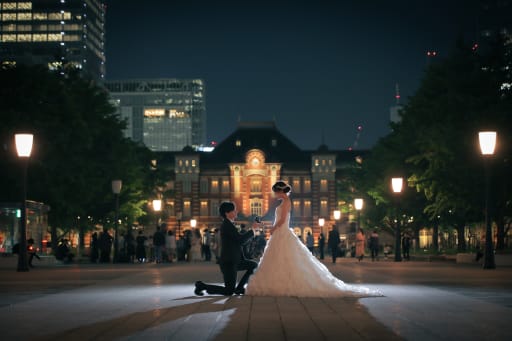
(362, 325)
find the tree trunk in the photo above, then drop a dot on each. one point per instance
(435, 236)
(461, 241)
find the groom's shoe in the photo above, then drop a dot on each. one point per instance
(240, 291)
(200, 286)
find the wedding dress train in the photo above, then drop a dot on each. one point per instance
(287, 268)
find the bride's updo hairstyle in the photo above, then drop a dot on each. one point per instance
(281, 186)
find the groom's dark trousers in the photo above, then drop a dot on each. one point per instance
(229, 272)
(232, 260)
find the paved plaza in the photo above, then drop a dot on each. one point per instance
(421, 301)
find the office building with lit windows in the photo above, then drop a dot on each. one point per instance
(242, 169)
(163, 114)
(57, 33)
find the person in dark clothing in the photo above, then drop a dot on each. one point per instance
(406, 245)
(31, 252)
(63, 253)
(94, 248)
(140, 249)
(321, 245)
(333, 242)
(129, 241)
(232, 258)
(374, 245)
(159, 243)
(105, 244)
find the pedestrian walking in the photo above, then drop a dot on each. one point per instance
(374, 245)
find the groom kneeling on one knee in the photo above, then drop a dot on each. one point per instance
(232, 258)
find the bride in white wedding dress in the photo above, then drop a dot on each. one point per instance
(287, 267)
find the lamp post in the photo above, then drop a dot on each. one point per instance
(178, 217)
(487, 140)
(116, 189)
(396, 184)
(358, 204)
(193, 223)
(23, 148)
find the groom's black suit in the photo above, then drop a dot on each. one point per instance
(232, 260)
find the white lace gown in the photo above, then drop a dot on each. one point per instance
(287, 268)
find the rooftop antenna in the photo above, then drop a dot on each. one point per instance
(397, 94)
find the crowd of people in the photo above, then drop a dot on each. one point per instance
(193, 245)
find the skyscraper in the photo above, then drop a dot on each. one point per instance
(164, 114)
(57, 33)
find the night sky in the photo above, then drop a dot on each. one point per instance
(318, 68)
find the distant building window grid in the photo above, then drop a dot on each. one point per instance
(81, 28)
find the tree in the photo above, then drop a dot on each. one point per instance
(78, 150)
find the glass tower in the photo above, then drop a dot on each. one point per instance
(57, 33)
(164, 114)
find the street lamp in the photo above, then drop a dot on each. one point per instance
(396, 184)
(193, 223)
(321, 223)
(24, 148)
(157, 207)
(116, 189)
(487, 141)
(336, 214)
(358, 204)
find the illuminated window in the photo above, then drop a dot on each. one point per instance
(54, 37)
(323, 208)
(186, 163)
(71, 37)
(317, 162)
(225, 186)
(238, 143)
(9, 5)
(323, 162)
(307, 186)
(307, 208)
(256, 185)
(296, 208)
(215, 186)
(24, 37)
(25, 5)
(8, 37)
(24, 16)
(180, 163)
(204, 208)
(193, 163)
(54, 16)
(39, 16)
(323, 185)
(296, 186)
(8, 16)
(256, 207)
(186, 208)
